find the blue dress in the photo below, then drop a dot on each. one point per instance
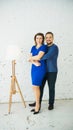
(38, 72)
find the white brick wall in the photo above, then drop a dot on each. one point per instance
(20, 20)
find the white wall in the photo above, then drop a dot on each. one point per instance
(20, 20)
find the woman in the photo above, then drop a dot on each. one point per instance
(38, 69)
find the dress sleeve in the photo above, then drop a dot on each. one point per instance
(44, 48)
(32, 49)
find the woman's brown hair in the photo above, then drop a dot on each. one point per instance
(39, 34)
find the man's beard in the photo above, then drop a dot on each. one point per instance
(49, 43)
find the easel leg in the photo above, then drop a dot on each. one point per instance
(10, 102)
(10, 98)
(20, 92)
(13, 88)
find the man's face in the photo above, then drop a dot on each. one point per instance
(49, 39)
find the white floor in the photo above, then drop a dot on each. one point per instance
(61, 118)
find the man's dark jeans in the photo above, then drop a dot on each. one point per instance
(50, 77)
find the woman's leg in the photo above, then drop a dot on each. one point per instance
(36, 90)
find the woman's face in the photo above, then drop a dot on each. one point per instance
(39, 39)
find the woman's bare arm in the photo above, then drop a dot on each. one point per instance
(35, 62)
(37, 57)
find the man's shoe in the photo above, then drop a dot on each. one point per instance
(51, 107)
(32, 104)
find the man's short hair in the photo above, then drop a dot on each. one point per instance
(50, 33)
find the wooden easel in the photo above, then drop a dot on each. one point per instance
(13, 87)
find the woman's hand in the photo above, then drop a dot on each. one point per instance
(37, 63)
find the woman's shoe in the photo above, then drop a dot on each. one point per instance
(32, 104)
(36, 112)
(32, 110)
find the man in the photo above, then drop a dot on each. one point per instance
(51, 75)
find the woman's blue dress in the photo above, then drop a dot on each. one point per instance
(38, 72)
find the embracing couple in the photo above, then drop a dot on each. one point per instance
(44, 68)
